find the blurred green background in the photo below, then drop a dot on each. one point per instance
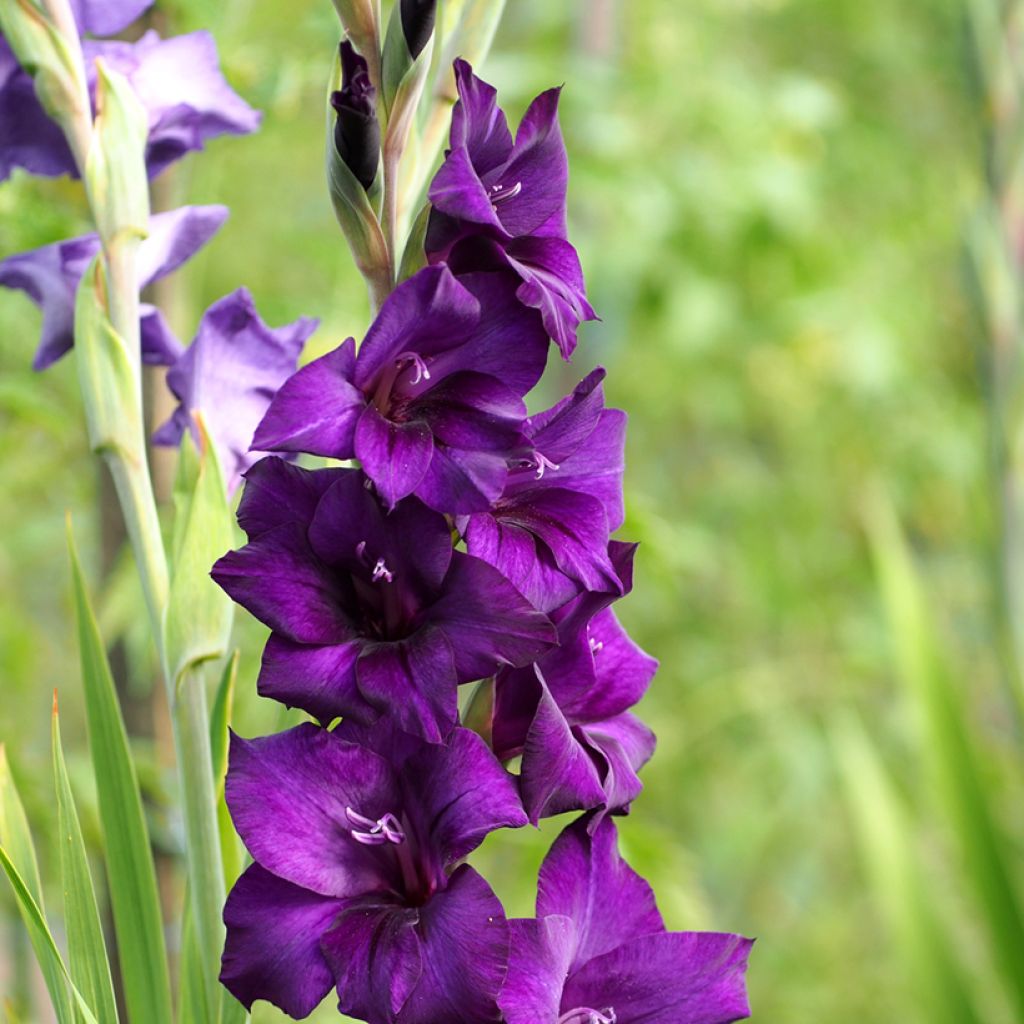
(770, 199)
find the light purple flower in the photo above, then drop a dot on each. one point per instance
(568, 715)
(599, 952)
(229, 374)
(107, 17)
(496, 201)
(432, 404)
(372, 613)
(356, 836)
(49, 276)
(548, 532)
(178, 81)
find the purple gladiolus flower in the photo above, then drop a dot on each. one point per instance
(356, 131)
(568, 715)
(432, 404)
(229, 373)
(599, 953)
(356, 836)
(107, 17)
(548, 532)
(499, 202)
(371, 613)
(178, 81)
(49, 276)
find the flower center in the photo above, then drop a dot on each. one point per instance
(498, 193)
(536, 461)
(375, 833)
(595, 645)
(585, 1015)
(418, 362)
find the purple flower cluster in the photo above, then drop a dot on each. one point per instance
(236, 362)
(471, 544)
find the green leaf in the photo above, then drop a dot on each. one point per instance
(87, 952)
(949, 747)
(220, 720)
(46, 949)
(197, 625)
(883, 833)
(130, 871)
(16, 839)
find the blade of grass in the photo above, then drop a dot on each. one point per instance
(883, 834)
(17, 840)
(87, 951)
(46, 949)
(949, 747)
(130, 871)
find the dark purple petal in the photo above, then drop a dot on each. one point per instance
(279, 580)
(540, 167)
(376, 957)
(464, 937)
(316, 409)
(469, 410)
(489, 621)
(563, 429)
(513, 550)
(625, 745)
(557, 772)
(180, 84)
(538, 963)
(413, 541)
(229, 374)
(289, 794)
(461, 482)
(458, 192)
(459, 793)
(320, 680)
(277, 492)
(697, 977)
(395, 456)
(272, 950)
(622, 672)
(478, 123)
(552, 283)
(584, 878)
(413, 681)
(429, 313)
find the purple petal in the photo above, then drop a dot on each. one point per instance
(584, 878)
(538, 964)
(413, 681)
(697, 977)
(277, 492)
(180, 84)
(458, 192)
(316, 409)
(459, 793)
(540, 167)
(489, 621)
(395, 456)
(557, 773)
(625, 745)
(429, 313)
(175, 237)
(468, 410)
(376, 957)
(478, 123)
(28, 137)
(563, 429)
(278, 579)
(465, 943)
(320, 680)
(460, 482)
(622, 672)
(107, 17)
(159, 345)
(230, 373)
(272, 949)
(289, 794)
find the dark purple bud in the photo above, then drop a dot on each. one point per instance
(418, 24)
(357, 131)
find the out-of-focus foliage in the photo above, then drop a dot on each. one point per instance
(768, 197)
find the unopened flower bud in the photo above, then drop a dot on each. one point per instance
(356, 131)
(418, 23)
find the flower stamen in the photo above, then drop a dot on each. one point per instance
(585, 1015)
(498, 194)
(375, 833)
(418, 362)
(382, 572)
